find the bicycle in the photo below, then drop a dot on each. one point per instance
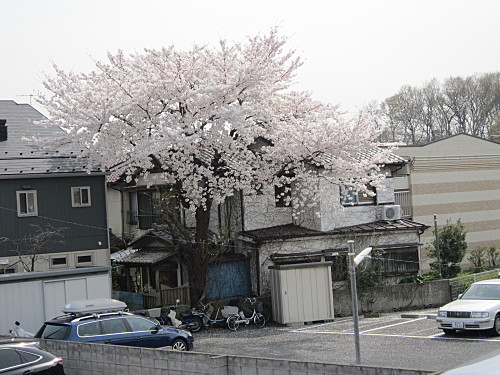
(233, 322)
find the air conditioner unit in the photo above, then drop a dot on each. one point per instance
(392, 212)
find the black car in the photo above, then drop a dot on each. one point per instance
(103, 321)
(26, 357)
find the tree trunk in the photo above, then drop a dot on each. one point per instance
(199, 256)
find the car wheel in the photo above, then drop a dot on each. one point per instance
(449, 331)
(196, 325)
(496, 326)
(180, 345)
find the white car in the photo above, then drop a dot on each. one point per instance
(478, 308)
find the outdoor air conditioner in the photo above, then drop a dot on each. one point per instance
(392, 212)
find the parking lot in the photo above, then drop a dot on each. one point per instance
(391, 340)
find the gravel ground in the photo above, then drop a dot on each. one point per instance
(299, 343)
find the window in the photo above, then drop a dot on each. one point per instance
(54, 331)
(89, 329)
(401, 261)
(80, 196)
(113, 326)
(84, 259)
(351, 197)
(27, 203)
(59, 261)
(282, 195)
(11, 358)
(145, 208)
(140, 324)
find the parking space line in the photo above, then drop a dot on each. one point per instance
(393, 325)
(434, 337)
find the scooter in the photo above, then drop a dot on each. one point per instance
(189, 320)
(19, 332)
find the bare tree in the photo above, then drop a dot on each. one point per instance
(460, 105)
(29, 249)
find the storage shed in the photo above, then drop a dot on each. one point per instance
(34, 297)
(302, 292)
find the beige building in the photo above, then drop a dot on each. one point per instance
(454, 178)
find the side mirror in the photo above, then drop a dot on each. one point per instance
(158, 327)
(460, 296)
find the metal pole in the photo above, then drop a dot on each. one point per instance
(352, 271)
(437, 246)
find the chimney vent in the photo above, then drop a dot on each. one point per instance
(3, 130)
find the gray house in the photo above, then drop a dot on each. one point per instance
(52, 204)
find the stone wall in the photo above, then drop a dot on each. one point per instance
(101, 359)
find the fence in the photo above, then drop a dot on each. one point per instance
(167, 296)
(459, 284)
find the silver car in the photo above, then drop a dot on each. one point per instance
(478, 308)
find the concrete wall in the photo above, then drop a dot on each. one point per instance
(98, 359)
(394, 297)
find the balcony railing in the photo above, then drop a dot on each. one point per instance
(403, 198)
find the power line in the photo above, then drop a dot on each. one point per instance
(179, 240)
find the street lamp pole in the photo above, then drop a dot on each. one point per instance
(352, 271)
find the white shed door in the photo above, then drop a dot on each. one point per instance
(57, 293)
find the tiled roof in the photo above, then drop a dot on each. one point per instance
(287, 231)
(381, 226)
(20, 157)
(144, 257)
(280, 232)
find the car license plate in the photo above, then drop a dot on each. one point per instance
(457, 325)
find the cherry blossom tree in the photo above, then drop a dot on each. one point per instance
(214, 121)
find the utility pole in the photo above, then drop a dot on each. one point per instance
(438, 256)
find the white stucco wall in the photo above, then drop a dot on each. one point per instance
(260, 211)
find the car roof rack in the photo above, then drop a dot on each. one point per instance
(95, 305)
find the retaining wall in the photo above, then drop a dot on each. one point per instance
(394, 297)
(101, 359)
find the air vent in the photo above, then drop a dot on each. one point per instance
(3, 130)
(392, 212)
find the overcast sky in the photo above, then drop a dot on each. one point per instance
(355, 51)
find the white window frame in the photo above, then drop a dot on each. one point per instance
(91, 262)
(53, 257)
(78, 190)
(33, 211)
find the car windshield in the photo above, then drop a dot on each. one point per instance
(482, 291)
(53, 331)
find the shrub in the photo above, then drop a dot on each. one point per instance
(452, 248)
